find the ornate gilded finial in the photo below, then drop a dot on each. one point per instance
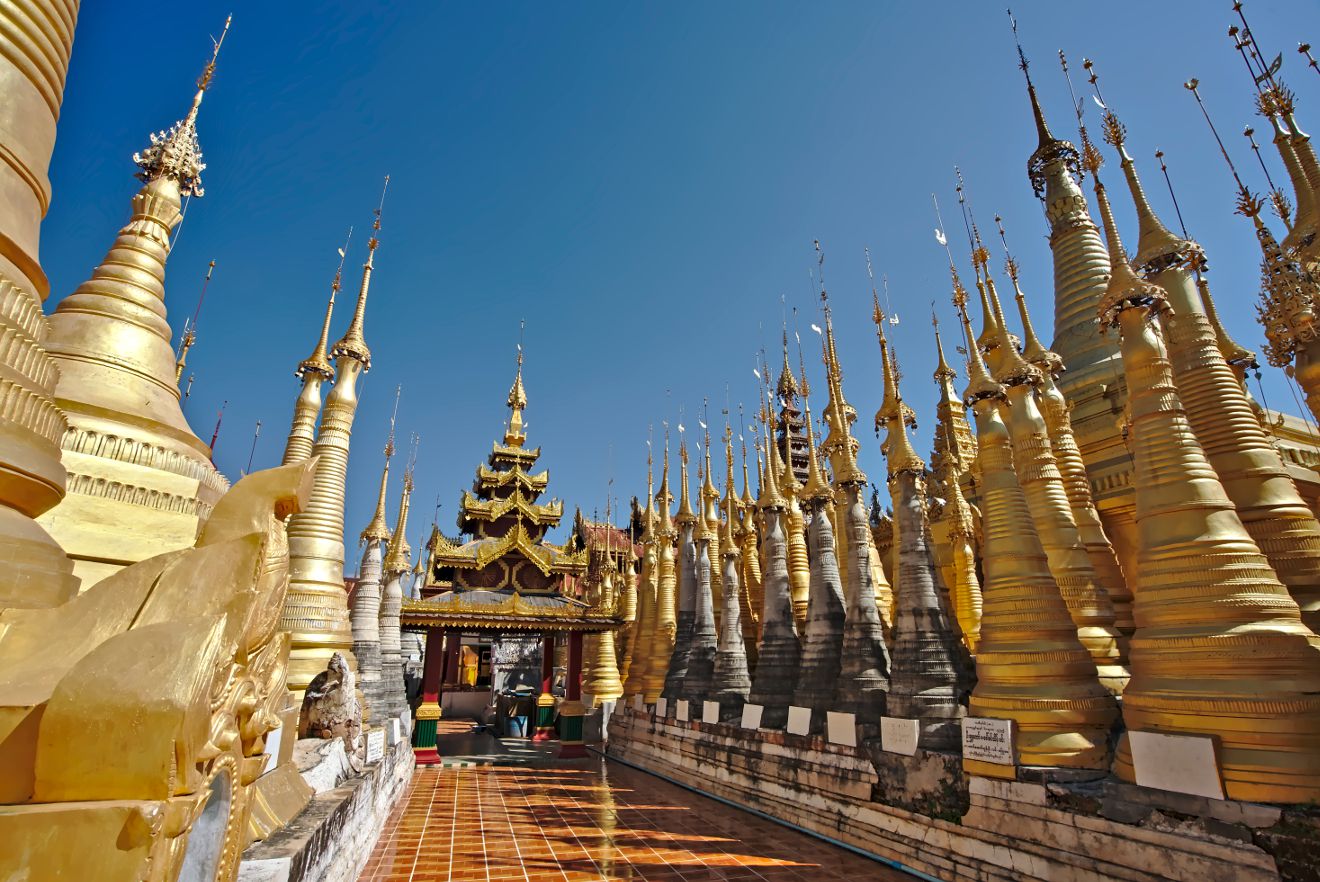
(175, 153)
(788, 384)
(747, 499)
(514, 436)
(353, 344)
(1157, 247)
(317, 363)
(1282, 207)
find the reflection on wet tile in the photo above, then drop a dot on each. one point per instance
(587, 822)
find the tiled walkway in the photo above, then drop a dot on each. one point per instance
(589, 821)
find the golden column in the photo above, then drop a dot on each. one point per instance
(604, 684)
(313, 371)
(749, 543)
(316, 606)
(1042, 486)
(1055, 409)
(665, 621)
(1093, 381)
(642, 644)
(1249, 467)
(140, 482)
(36, 37)
(1220, 648)
(1030, 665)
(954, 531)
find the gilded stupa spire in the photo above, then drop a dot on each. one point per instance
(839, 444)
(175, 153)
(748, 501)
(1125, 286)
(517, 401)
(891, 404)
(378, 530)
(317, 363)
(664, 499)
(1049, 149)
(787, 386)
(709, 495)
(771, 498)
(397, 560)
(988, 340)
(817, 487)
(685, 513)
(1033, 350)
(894, 414)
(728, 544)
(353, 344)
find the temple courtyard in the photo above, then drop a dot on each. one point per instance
(586, 820)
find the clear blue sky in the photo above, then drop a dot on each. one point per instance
(640, 182)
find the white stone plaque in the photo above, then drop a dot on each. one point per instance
(639, 702)
(799, 720)
(710, 712)
(661, 706)
(988, 739)
(899, 735)
(681, 710)
(842, 728)
(751, 716)
(375, 745)
(1180, 763)
(394, 731)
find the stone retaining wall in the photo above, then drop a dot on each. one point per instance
(331, 839)
(982, 829)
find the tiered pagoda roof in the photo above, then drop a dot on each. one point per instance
(505, 525)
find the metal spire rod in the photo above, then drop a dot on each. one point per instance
(1191, 86)
(219, 418)
(253, 452)
(1159, 155)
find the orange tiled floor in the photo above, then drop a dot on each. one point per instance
(590, 822)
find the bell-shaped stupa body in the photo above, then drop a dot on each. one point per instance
(140, 481)
(1220, 648)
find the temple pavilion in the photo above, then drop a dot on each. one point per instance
(501, 588)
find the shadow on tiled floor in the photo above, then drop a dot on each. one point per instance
(591, 820)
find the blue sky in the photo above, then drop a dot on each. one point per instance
(639, 182)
